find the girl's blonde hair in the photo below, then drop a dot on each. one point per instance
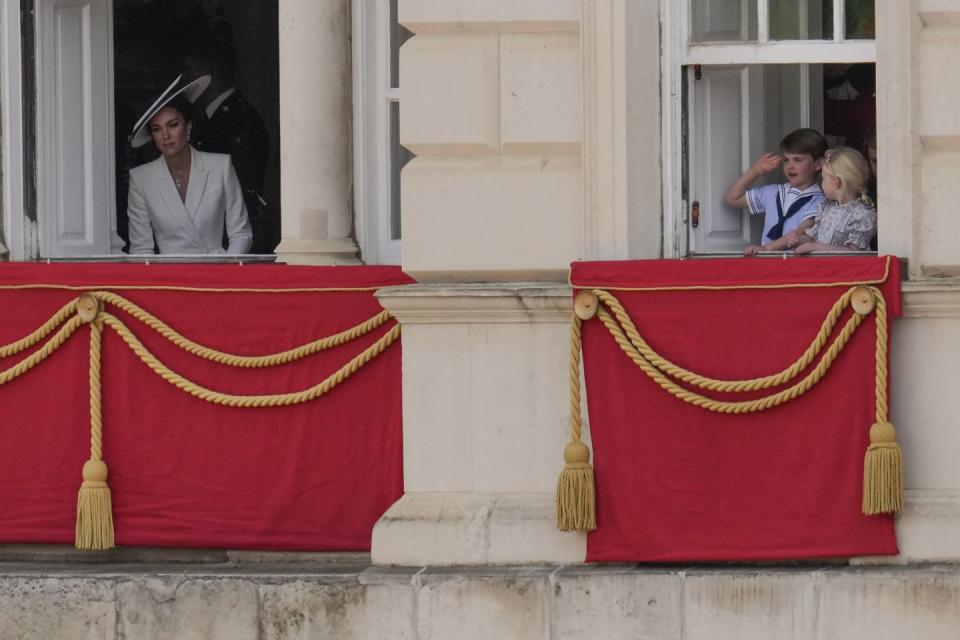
(851, 167)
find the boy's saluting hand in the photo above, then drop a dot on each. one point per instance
(736, 194)
(767, 163)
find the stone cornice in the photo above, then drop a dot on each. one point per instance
(503, 16)
(931, 299)
(497, 303)
(551, 302)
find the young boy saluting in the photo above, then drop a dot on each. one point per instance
(784, 206)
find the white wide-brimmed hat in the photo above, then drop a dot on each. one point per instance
(189, 90)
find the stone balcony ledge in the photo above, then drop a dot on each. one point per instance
(482, 302)
(511, 602)
(552, 301)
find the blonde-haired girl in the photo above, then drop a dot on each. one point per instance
(847, 219)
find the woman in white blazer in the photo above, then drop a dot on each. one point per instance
(186, 200)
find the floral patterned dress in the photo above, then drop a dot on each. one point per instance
(853, 223)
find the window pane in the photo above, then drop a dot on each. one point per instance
(849, 104)
(785, 103)
(399, 156)
(724, 20)
(804, 20)
(859, 20)
(398, 35)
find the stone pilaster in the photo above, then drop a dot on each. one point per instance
(315, 135)
(485, 420)
(490, 96)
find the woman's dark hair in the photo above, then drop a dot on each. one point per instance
(183, 106)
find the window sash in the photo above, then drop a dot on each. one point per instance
(781, 52)
(767, 51)
(373, 98)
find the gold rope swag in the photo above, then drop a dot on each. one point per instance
(883, 466)
(94, 505)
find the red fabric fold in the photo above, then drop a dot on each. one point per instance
(184, 472)
(676, 483)
(730, 273)
(212, 276)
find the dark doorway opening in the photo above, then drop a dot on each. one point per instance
(237, 43)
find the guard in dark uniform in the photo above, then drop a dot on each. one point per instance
(225, 122)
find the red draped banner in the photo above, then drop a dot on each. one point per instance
(676, 482)
(185, 472)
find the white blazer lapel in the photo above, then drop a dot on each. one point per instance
(175, 206)
(196, 185)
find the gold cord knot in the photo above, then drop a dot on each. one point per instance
(576, 453)
(863, 300)
(585, 305)
(882, 433)
(94, 471)
(88, 307)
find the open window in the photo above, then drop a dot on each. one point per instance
(236, 44)
(741, 75)
(77, 74)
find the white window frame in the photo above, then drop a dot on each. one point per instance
(372, 100)
(679, 51)
(30, 239)
(14, 220)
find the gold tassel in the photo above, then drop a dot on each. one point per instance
(882, 472)
(576, 496)
(94, 508)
